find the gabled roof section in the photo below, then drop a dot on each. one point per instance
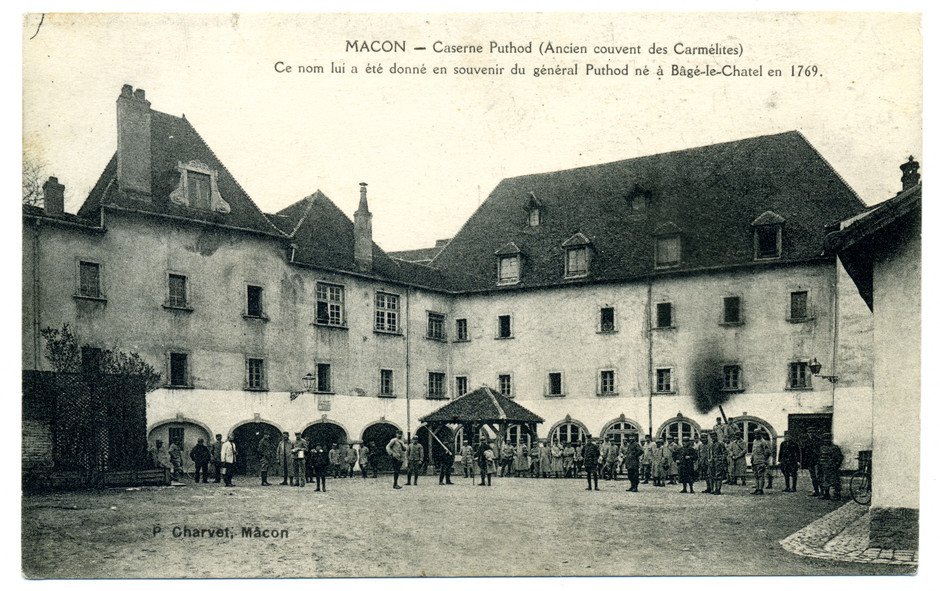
(712, 193)
(667, 229)
(768, 218)
(578, 239)
(508, 249)
(483, 404)
(173, 141)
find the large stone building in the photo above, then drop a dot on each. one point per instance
(630, 296)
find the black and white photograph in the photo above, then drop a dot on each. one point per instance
(397, 295)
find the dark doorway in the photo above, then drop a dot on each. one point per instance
(376, 437)
(800, 425)
(325, 434)
(246, 438)
(423, 436)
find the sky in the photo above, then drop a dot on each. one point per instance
(432, 146)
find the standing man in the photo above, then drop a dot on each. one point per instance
(672, 448)
(352, 456)
(737, 449)
(686, 458)
(646, 460)
(228, 461)
(610, 461)
(200, 456)
(632, 452)
(716, 463)
(811, 460)
(161, 458)
(415, 458)
(264, 457)
(592, 460)
(299, 455)
(364, 452)
(444, 460)
(343, 464)
(790, 458)
(830, 461)
(396, 452)
(760, 455)
(216, 450)
(334, 460)
(284, 458)
(176, 457)
(320, 462)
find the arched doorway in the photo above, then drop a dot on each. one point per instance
(246, 437)
(620, 429)
(749, 427)
(680, 428)
(325, 434)
(187, 432)
(377, 436)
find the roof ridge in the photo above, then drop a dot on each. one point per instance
(489, 391)
(829, 166)
(303, 218)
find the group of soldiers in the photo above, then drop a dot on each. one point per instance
(717, 457)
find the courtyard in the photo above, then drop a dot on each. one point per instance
(364, 528)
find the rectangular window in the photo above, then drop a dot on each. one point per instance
(254, 308)
(461, 386)
(732, 310)
(767, 242)
(607, 320)
(576, 262)
(386, 312)
(505, 385)
(91, 360)
(508, 270)
(462, 333)
(664, 315)
(667, 251)
(664, 380)
(256, 374)
(89, 275)
(386, 383)
(505, 327)
(177, 297)
(179, 369)
(324, 381)
(330, 304)
(176, 434)
(607, 386)
(732, 377)
(435, 385)
(799, 305)
(435, 326)
(554, 384)
(798, 375)
(199, 189)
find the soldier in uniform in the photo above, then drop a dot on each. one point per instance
(631, 452)
(672, 465)
(284, 460)
(397, 453)
(760, 455)
(830, 461)
(646, 460)
(298, 452)
(176, 457)
(737, 450)
(352, 456)
(364, 453)
(415, 458)
(320, 462)
(592, 459)
(334, 460)
(216, 457)
(264, 457)
(200, 456)
(444, 460)
(687, 458)
(716, 464)
(811, 460)
(790, 458)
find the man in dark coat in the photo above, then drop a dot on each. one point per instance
(790, 458)
(716, 463)
(830, 461)
(632, 452)
(320, 461)
(811, 460)
(216, 452)
(686, 457)
(200, 456)
(444, 460)
(265, 451)
(592, 456)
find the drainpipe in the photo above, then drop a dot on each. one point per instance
(36, 299)
(408, 361)
(649, 342)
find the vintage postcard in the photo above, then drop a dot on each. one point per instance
(331, 295)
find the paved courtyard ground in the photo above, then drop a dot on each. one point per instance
(364, 528)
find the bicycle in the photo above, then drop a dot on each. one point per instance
(860, 483)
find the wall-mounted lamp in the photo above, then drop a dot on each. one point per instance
(816, 367)
(308, 381)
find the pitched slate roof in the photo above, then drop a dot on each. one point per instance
(710, 195)
(483, 404)
(174, 140)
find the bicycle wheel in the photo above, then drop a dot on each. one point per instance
(860, 487)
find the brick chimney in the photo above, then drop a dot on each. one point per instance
(133, 142)
(909, 175)
(362, 230)
(53, 196)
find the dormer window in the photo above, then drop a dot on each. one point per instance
(577, 255)
(534, 208)
(509, 263)
(668, 248)
(768, 236)
(198, 188)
